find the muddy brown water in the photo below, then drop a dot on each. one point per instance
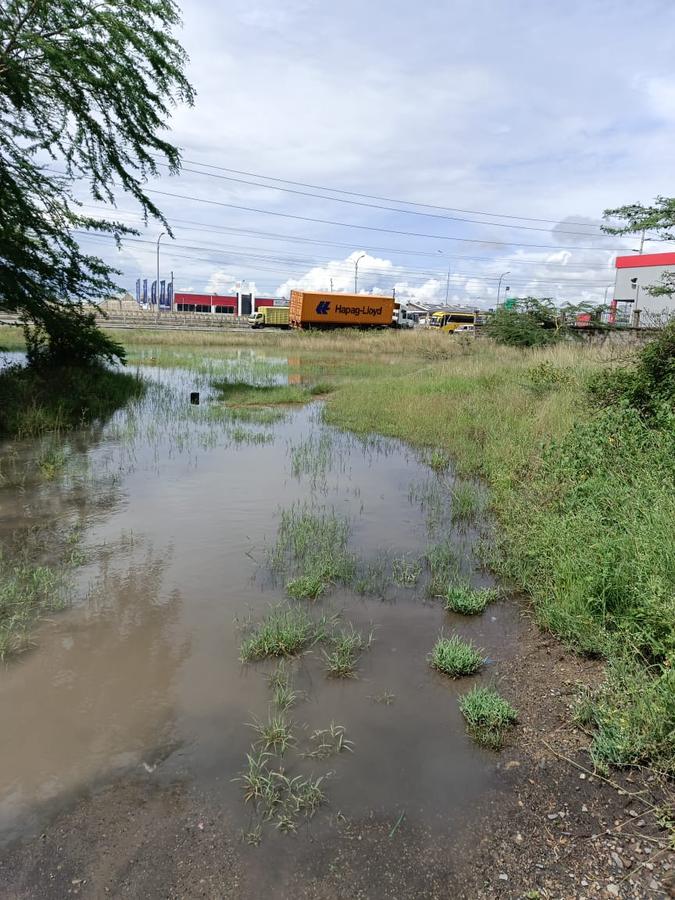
(142, 673)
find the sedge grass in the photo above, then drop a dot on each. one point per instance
(344, 649)
(285, 631)
(467, 601)
(455, 657)
(488, 716)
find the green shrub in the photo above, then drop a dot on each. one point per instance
(455, 657)
(487, 715)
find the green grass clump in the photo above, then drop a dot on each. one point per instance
(344, 649)
(307, 587)
(312, 544)
(633, 714)
(468, 501)
(27, 592)
(455, 657)
(468, 601)
(36, 401)
(276, 734)
(277, 796)
(406, 572)
(443, 566)
(285, 631)
(281, 682)
(488, 716)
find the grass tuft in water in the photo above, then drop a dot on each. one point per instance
(406, 572)
(344, 650)
(455, 657)
(438, 460)
(281, 683)
(443, 568)
(329, 741)
(277, 796)
(487, 715)
(307, 587)
(285, 631)
(275, 735)
(468, 501)
(27, 591)
(372, 578)
(468, 601)
(312, 544)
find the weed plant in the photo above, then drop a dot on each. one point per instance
(312, 544)
(329, 741)
(488, 716)
(455, 657)
(344, 648)
(468, 501)
(443, 566)
(405, 571)
(275, 735)
(281, 683)
(285, 631)
(467, 601)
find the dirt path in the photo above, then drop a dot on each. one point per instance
(557, 831)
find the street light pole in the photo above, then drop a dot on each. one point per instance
(499, 287)
(157, 287)
(356, 272)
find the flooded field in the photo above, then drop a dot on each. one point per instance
(183, 528)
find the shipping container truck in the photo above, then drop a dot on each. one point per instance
(271, 317)
(316, 310)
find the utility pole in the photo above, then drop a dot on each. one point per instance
(447, 286)
(157, 291)
(356, 272)
(331, 285)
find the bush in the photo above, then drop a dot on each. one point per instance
(649, 385)
(34, 401)
(532, 323)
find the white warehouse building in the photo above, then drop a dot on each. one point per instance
(632, 304)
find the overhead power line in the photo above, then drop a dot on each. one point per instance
(319, 187)
(299, 239)
(301, 265)
(435, 237)
(379, 206)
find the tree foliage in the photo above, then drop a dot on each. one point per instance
(532, 322)
(86, 89)
(635, 218)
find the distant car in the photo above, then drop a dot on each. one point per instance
(464, 328)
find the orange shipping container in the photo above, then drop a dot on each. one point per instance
(335, 310)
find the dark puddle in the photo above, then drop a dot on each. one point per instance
(142, 674)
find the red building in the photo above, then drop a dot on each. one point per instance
(226, 304)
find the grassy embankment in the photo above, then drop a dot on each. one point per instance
(585, 500)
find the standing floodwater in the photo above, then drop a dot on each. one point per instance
(178, 509)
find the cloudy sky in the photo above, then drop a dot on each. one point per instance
(469, 137)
